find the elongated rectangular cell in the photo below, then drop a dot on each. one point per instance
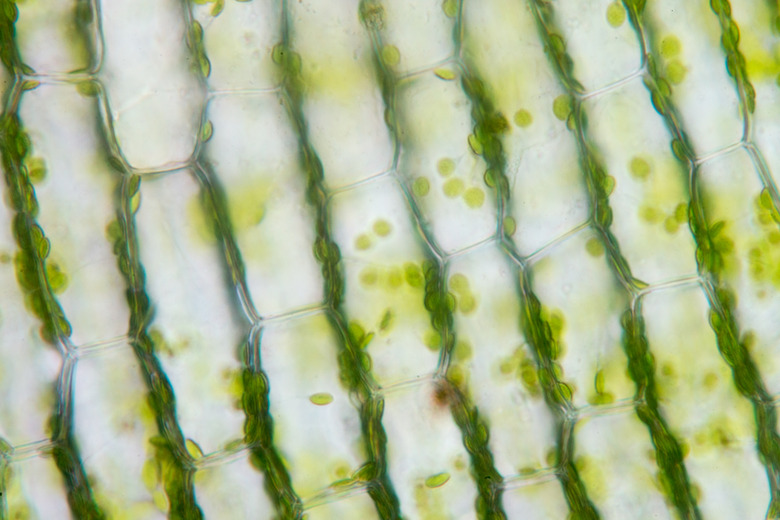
(760, 47)
(547, 193)
(684, 39)
(113, 426)
(538, 501)
(615, 459)
(592, 34)
(316, 427)
(34, 489)
(749, 241)
(238, 41)
(383, 266)
(492, 356)
(69, 165)
(445, 175)
(703, 408)
(650, 197)
(154, 95)
(583, 304)
(233, 485)
(53, 36)
(198, 325)
(415, 34)
(254, 154)
(428, 463)
(30, 367)
(343, 104)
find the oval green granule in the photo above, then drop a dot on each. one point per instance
(219, 6)
(278, 54)
(453, 188)
(680, 150)
(510, 226)
(362, 242)
(30, 84)
(523, 118)
(193, 449)
(463, 351)
(369, 276)
(467, 303)
(598, 382)
(445, 167)
(445, 74)
(562, 107)
(207, 131)
(681, 213)
(616, 14)
(36, 169)
(671, 225)
(387, 320)
(391, 55)
(382, 228)
(421, 186)
(321, 398)
(432, 340)
(608, 183)
(675, 72)
(474, 197)
(639, 168)
(765, 199)
(437, 480)
(650, 214)
(88, 88)
(557, 321)
(490, 178)
(395, 278)
(670, 46)
(450, 8)
(507, 366)
(459, 283)
(594, 247)
(58, 280)
(475, 145)
(413, 275)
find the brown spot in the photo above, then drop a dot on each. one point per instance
(444, 395)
